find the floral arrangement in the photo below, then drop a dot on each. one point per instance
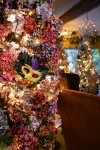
(4, 31)
(75, 38)
(29, 25)
(30, 47)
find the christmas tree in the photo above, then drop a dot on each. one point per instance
(89, 79)
(30, 47)
(63, 63)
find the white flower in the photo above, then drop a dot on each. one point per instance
(15, 45)
(11, 18)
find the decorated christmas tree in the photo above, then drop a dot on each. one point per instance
(63, 63)
(89, 79)
(30, 47)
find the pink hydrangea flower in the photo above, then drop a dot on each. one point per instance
(4, 31)
(7, 61)
(49, 35)
(29, 25)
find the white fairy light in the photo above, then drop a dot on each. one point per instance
(11, 18)
(87, 72)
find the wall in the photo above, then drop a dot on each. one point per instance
(94, 15)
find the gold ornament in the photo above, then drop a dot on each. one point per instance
(17, 36)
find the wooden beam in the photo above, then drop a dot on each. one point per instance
(79, 9)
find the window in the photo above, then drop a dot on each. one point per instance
(96, 59)
(72, 59)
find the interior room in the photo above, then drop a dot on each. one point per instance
(78, 114)
(50, 75)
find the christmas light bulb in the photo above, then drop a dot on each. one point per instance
(11, 18)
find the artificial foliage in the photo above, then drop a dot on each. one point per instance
(30, 46)
(63, 63)
(73, 39)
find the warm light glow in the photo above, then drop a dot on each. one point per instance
(26, 38)
(64, 33)
(37, 42)
(11, 18)
(61, 67)
(48, 78)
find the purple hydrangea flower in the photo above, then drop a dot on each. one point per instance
(56, 23)
(44, 11)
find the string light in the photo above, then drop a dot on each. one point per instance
(86, 67)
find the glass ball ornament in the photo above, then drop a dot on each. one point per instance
(17, 36)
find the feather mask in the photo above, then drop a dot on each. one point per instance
(31, 74)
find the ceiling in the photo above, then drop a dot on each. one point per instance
(62, 6)
(93, 15)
